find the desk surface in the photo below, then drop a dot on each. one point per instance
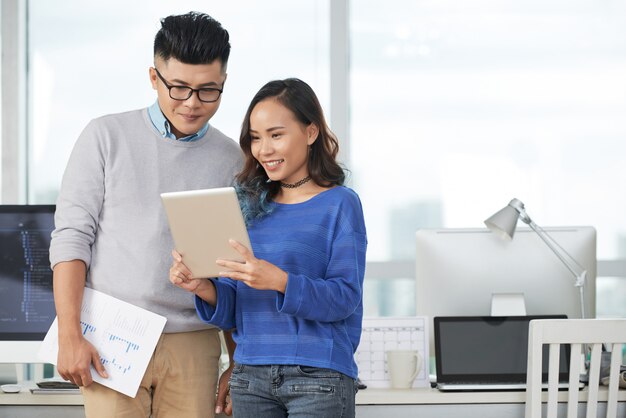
(425, 396)
(422, 396)
(25, 397)
(371, 403)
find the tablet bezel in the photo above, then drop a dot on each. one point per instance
(201, 223)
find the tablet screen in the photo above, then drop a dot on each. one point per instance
(202, 222)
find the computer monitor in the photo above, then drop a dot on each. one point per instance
(458, 271)
(26, 299)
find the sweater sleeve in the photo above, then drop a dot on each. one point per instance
(80, 200)
(222, 315)
(336, 296)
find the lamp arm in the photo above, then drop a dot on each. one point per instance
(579, 273)
(572, 265)
(570, 262)
(576, 270)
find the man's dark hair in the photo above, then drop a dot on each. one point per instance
(192, 38)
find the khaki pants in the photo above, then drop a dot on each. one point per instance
(180, 381)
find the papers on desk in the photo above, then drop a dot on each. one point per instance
(124, 335)
(391, 333)
(47, 391)
(55, 386)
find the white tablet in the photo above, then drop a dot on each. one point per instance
(202, 222)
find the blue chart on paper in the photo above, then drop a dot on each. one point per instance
(119, 350)
(122, 368)
(87, 328)
(124, 336)
(117, 340)
(128, 344)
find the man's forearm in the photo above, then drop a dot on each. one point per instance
(68, 286)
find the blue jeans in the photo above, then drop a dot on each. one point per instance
(294, 391)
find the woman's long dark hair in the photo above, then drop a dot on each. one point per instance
(254, 189)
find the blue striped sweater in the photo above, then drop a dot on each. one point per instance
(321, 244)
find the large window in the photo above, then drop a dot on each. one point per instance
(455, 107)
(87, 59)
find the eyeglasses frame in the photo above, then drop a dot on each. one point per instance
(191, 90)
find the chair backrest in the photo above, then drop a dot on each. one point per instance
(580, 334)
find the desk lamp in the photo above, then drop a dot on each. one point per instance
(503, 224)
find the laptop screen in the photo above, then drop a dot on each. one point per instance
(487, 349)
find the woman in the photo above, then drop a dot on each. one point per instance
(295, 304)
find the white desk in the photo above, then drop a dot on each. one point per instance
(423, 403)
(27, 405)
(431, 403)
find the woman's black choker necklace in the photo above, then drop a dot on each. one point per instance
(296, 184)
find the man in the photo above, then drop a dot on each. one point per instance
(111, 232)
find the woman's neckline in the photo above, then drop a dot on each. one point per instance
(313, 197)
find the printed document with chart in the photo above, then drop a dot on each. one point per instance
(124, 335)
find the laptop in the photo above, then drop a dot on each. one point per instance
(488, 353)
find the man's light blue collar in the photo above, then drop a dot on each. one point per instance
(163, 126)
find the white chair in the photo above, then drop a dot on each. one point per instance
(578, 333)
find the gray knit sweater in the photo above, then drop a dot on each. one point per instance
(109, 213)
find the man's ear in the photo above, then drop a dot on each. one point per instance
(153, 77)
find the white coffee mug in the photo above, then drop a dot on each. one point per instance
(403, 367)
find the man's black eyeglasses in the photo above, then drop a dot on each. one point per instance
(206, 94)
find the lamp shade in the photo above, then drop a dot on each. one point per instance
(503, 222)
